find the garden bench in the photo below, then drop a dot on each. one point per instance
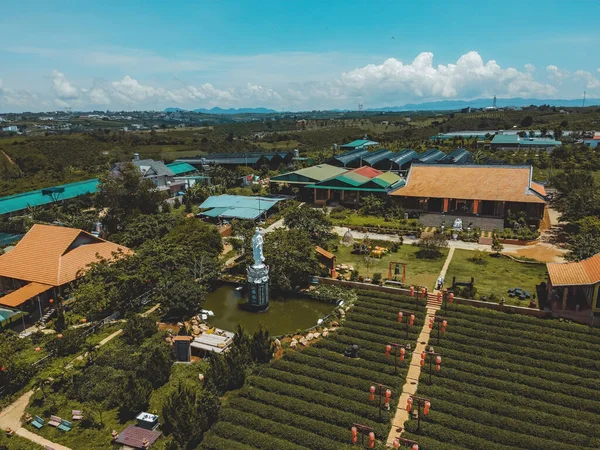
(54, 421)
(65, 425)
(38, 422)
(77, 414)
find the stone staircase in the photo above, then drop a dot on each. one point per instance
(47, 316)
(432, 300)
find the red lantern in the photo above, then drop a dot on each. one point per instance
(450, 297)
(354, 435)
(402, 353)
(439, 295)
(388, 349)
(438, 367)
(412, 320)
(400, 315)
(443, 329)
(438, 359)
(423, 290)
(3, 369)
(409, 403)
(431, 323)
(396, 443)
(422, 363)
(37, 349)
(371, 440)
(444, 323)
(84, 320)
(412, 291)
(59, 336)
(426, 408)
(372, 393)
(423, 355)
(388, 394)
(415, 447)
(51, 301)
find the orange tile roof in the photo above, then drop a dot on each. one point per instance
(55, 255)
(324, 252)
(20, 296)
(583, 272)
(539, 188)
(470, 182)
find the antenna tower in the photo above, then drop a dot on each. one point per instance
(360, 106)
(583, 103)
(494, 105)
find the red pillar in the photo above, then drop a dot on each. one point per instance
(476, 207)
(446, 203)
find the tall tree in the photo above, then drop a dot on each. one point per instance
(310, 220)
(585, 241)
(290, 255)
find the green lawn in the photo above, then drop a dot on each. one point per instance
(496, 276)
(419, 272)
(17, 443)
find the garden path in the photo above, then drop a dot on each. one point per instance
(414, 370)
(10, 417)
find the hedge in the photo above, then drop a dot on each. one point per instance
(248, 436)
(282, 431)
(275, 414)
(213, 442)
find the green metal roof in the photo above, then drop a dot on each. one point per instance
(346, 188)
(310, 174)
(179, 167)
(353, 178)
(359, 143)
(19, 202)
(237, 206)
(388, 177)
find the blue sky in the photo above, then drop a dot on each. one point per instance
(292, 55)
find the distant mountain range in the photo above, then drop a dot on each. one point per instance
(442, 105)
(217, 110)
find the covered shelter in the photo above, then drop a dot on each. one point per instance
(137, 437)
(371, 158)
(458, 156)
(46, 261)
(347, 158)
(303, 177)
(431, 156)
(483, 195)
(514, 141)
(19, 202)
(217, 341)
(327, 259)
(398, 161)
(227, 206)
(179, 168)
(575, 286)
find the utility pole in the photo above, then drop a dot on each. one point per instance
(583, 104)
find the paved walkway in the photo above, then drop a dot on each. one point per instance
(10, 417)
(414, 369)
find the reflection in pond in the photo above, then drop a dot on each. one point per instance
(283, 316)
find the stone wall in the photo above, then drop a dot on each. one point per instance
(485, 223)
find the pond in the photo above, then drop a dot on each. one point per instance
(283, 316)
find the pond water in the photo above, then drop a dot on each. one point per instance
(283, 316)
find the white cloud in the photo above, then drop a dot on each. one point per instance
(556, 74)
(470, 77)
(64, 88)
(591, 81)
(529, 68)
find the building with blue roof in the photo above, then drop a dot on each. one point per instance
(431, 156)
(514, 141)
(397, 161)
(349, 158)
(237, 207)
(458, 156)
(371, 159)
(20, 202)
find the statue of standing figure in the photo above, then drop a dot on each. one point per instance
(257, 248)
(458, 224)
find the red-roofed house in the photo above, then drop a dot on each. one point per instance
(47, 260)
(575, 286)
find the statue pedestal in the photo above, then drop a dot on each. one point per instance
(258, 287)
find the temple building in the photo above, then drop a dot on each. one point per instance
(478, 194)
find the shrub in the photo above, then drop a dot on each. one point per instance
(431, 246)
(479, 257)
(377, 278)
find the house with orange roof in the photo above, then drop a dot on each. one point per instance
(480, 194)
(574, 287)
(46, 261)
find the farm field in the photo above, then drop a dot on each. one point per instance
(512, 381)
(310, 398)
(496, 276)
(419, 272)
